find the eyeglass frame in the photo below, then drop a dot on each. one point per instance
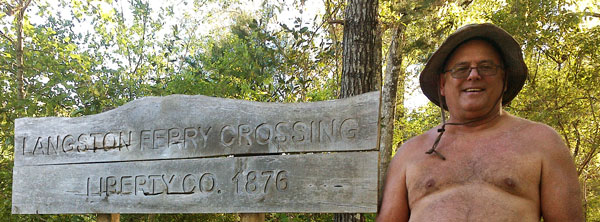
(454, 70)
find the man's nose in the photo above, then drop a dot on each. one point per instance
(473, 74)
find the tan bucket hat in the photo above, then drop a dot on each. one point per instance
(510, 50)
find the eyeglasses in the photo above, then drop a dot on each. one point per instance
(483, 69)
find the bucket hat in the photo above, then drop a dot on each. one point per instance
(510, 51)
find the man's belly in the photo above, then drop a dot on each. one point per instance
(474, 202)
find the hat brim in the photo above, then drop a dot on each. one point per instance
(511, 52)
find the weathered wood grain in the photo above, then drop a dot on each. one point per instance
(252, 217)
(108, 218)
(181, 126)
(324, 182)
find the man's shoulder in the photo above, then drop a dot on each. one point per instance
(531, 129)
(538, 135)
(417, 144)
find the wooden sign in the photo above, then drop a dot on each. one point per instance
(197, 154)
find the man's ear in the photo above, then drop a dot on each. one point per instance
(442, 84)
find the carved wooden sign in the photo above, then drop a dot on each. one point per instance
(198, 154)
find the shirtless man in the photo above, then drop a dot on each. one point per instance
(487, 165)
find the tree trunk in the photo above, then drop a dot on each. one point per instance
(361, 59)
(18, 44)
(393, 76)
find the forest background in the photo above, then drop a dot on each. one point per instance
(75, 57)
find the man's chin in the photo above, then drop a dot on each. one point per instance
(476, 109)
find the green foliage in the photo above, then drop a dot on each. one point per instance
(5, 187)
(179, 217)
(416, 122)
(301, 217)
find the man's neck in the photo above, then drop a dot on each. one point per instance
(476, 124)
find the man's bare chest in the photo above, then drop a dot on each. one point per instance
(501, 164)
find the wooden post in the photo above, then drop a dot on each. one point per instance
(109, 218)
(252, 217)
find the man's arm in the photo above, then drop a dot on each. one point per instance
(560, 194)
(394, 206)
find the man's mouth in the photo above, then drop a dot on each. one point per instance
(474, 90)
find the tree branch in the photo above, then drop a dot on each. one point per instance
(587, 159)
(7, 38)
(25, 5)
(564, 133)
(336, 21)
(594, 145)
(592, 14)
(577, 139)
(593, 111)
